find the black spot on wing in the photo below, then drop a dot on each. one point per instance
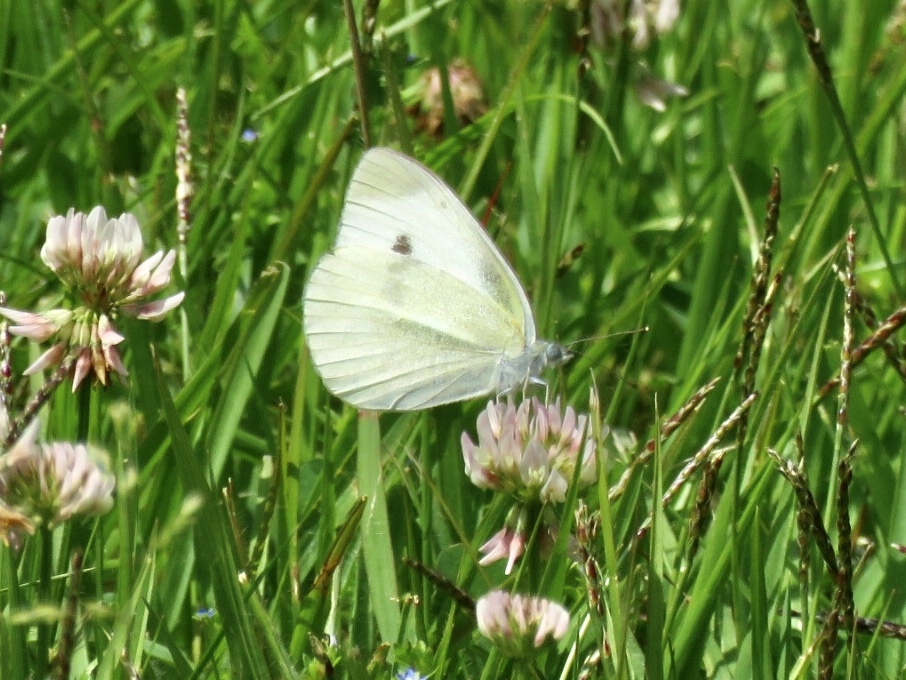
(402, 245)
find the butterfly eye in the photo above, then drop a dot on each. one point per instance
(557, 354)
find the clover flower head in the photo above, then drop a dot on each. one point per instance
(519, 624)
(530, 452)
(99, 261)
(50, 483)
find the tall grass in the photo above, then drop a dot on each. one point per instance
(264, 529)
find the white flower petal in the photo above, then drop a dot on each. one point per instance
(153, 274)
(82, 368)
(25, 445)
(107, 334)
(155, 310)
(51, 357)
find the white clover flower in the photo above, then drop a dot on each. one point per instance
(99, 261)
(51, 483)
(530, 452)
(519, 624)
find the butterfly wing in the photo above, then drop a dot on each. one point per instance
(396, 202)
(415, 306)
(387, 333)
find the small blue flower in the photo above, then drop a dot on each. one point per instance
(410, 674)
(249, 135)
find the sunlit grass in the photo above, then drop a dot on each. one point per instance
(261, 528)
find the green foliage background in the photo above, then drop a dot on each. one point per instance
(669, 208)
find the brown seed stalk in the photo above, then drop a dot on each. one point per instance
(815, 523)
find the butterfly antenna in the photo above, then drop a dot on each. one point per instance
(590, 338)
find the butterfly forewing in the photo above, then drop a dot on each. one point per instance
(394, 203)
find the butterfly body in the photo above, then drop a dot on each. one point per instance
(415, 306)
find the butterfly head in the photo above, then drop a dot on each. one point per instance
(554, 353)
(525, 368)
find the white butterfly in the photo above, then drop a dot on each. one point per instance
(415, 306)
